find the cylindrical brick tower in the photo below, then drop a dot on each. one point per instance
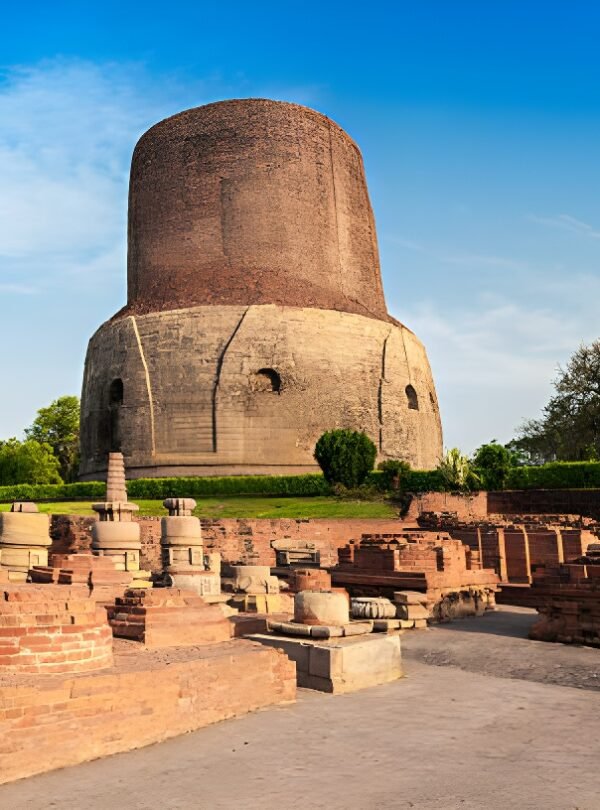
(251, 202)
(255, 317)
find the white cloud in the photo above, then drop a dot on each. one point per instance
(566, 222)
(467, 259)
(494, 360)
(65, 143)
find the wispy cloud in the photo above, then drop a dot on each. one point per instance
(446, 256)
(565, 222)
(18, 289)
(494, 358)
(65, 141)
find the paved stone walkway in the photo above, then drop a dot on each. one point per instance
(444, 738)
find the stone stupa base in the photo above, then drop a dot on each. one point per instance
(342, 664)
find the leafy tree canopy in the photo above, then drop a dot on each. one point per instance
(569, 427)
(28, 462)
(492, 463)
(58, 426)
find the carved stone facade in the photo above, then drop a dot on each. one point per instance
(255, 318)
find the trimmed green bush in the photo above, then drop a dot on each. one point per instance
(161, 488)
(345, 456)
(200, 487)
(556, 475)
(52, 492)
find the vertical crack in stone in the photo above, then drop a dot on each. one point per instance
(218, 378)
(148, 385)
(380, 392)
(335, 209)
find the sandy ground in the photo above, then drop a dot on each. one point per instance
(484, 720)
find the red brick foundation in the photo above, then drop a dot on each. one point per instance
(167, 617)
(51, 629)
(145, 698)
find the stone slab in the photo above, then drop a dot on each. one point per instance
(340, 665)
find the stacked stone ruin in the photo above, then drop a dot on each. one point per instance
(332, 652)
(255, 589)
(46, 630)
(115, 534)
(184, 564)
(567, 597)
(98, 574)
(168, 617)
(446, 571)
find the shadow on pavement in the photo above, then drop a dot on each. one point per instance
(507, 621)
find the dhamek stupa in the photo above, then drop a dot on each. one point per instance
(255, 316)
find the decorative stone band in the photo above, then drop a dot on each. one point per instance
(372, 608)
(321, 631)
(181, 544)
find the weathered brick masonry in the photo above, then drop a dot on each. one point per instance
(145, 698)
(238, 540)
(481, 505)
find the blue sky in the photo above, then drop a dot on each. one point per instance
(479, 124)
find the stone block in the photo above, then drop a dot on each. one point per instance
(341, 665)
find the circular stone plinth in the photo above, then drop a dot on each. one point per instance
(321, 608)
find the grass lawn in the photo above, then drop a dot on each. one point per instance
(242, 506)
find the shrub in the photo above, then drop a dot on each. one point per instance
(424, 481)
(492, 464)
(345, 456)
(456, 472)
(306, 485)
(556, 475)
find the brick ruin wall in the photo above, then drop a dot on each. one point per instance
(484, 505)
(510, 543)
(238, 540)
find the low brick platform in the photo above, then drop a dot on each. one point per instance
(168, 617)
(52, 629)
(146, 697)
(98, 574)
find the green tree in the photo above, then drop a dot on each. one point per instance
(345, 456)
(569, 427)
(28, 462)
(455, 469)
(492, 463)
(58, 426)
